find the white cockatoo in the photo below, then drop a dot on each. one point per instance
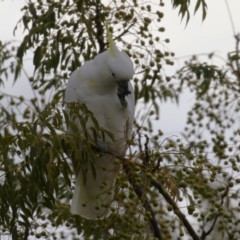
(103, 85)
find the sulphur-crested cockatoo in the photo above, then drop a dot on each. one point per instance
(103, 85)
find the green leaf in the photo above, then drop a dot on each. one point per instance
(37, 57)
(18, 69)
(89, 31)
(27, 43)
(56, 58)
(95, 122)
(93, 170)
(197, 6)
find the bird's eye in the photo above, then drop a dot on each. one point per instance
(113, 74)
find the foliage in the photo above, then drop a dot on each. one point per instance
(184, 8)
(169, 188)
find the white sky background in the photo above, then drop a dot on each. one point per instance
(214, 34)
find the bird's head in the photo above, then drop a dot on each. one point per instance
(118, 62)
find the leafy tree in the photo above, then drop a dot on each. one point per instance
(169, 188)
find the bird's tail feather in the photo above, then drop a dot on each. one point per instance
(93, 196)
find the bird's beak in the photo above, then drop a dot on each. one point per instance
(123, 87)
(122, 92)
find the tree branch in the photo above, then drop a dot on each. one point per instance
(124, 31)
(26, 234)
(100, 29)
(146, 204)
(177, 211)
(204, 234)
(237, 37)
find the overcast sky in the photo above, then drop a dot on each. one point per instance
(214, 34)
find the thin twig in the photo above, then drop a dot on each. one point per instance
(144, 200)
(124, 32)
(230, 16)
(177, 211)
(237, 37)
(204, 234)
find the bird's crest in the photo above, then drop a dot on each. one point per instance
(110, 40)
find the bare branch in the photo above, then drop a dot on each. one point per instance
(144, 200)
(204, 234)
(230, 17)
(237, 73)
(176, 209)
(124, 31)
(100, 29)
(26, 234)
